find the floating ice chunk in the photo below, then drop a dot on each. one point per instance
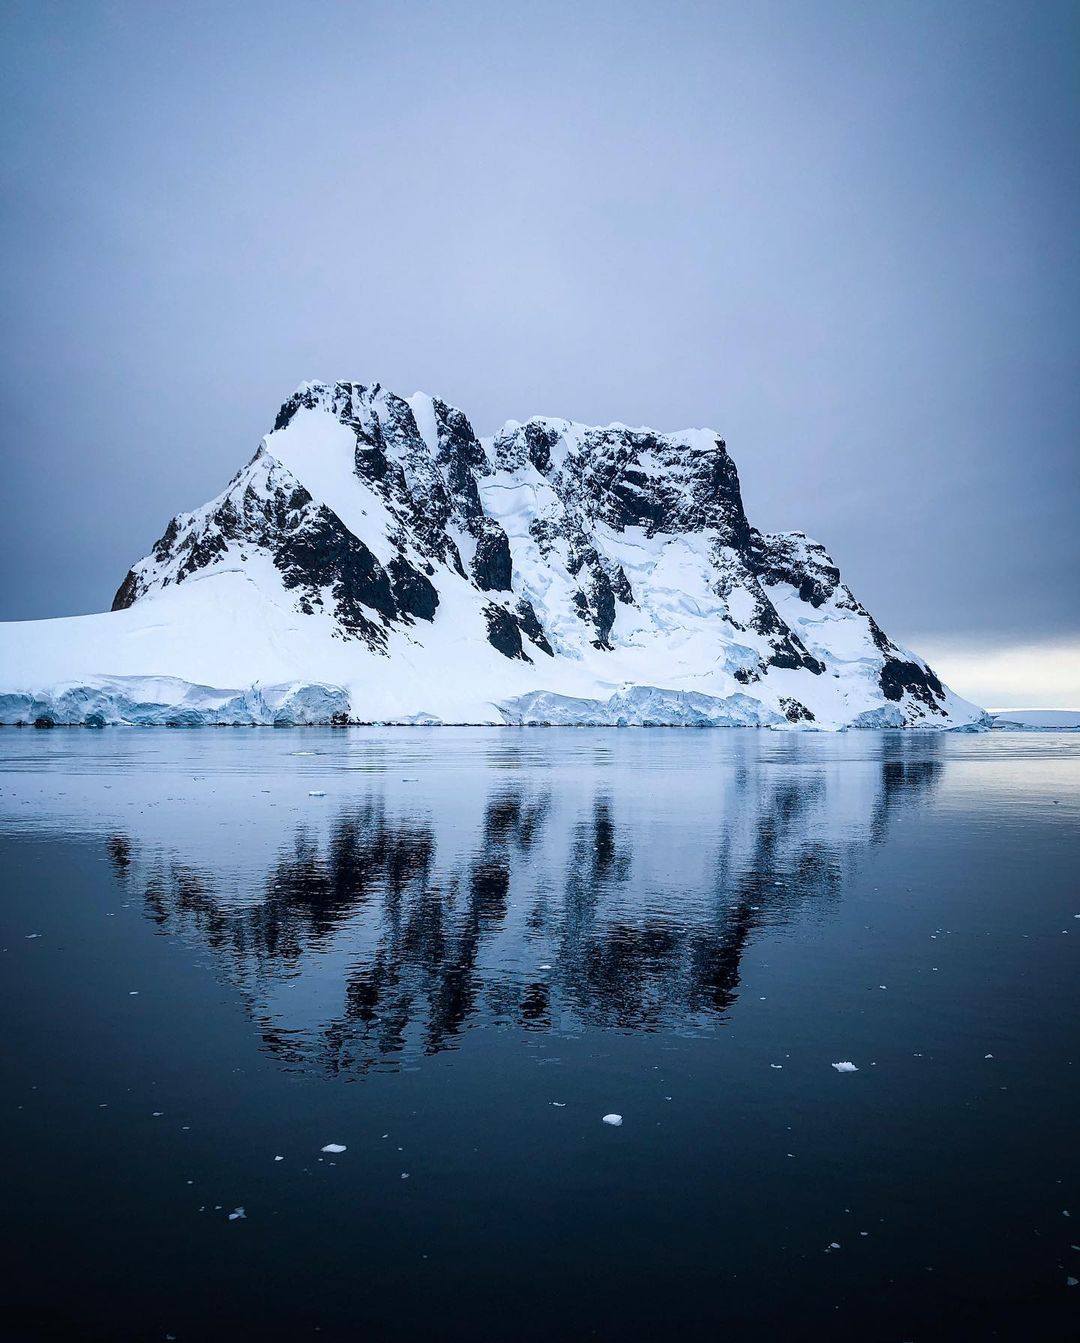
(334, 1147)
(613, 1120)
(279, 1158)
(642, 705)
(559, 1105)
(316, 792)
(834, 1245)
(237, 1214)
(988, 1056)
(30, 936)
(776, 1065)
(404, 1174)
(845, 1067)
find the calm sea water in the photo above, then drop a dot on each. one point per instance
(453, 952)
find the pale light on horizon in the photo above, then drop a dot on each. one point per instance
(1013, 676)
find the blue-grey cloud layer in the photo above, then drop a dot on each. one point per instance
(844, 235)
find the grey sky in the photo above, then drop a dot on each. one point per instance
(844, 235)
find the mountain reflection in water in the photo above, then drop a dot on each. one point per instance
(389, 927)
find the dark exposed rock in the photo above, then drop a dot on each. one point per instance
(163, 548)
(306, 396)
(596, 605)
(530, 626)
(491, 566)
(461, 456)
(325, 554)
(126, 593)
(787, 648)
(620, 586)
(792, 558)
(795, 711)
(414, 592)
(898, 676)
(503, 632)
(602, 601)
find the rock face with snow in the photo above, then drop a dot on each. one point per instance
(376, 561)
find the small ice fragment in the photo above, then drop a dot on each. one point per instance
(236, 1214)
(881, 986)
(613, 1120)
(316, 792)
(279, 1158)
(334, 1147)
(845, 1067)
(404, 1174)
(545, 967)
(133, 993)
(30, 936)
(157, 1114)
(988, 1056)
(1071, 1282)
(559, 1105)
(776, 1065)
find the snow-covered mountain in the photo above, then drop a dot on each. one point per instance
(376, 562)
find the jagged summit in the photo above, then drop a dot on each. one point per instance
(555, 572)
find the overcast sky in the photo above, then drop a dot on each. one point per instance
(844, 235)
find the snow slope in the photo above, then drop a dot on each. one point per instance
(376, 562)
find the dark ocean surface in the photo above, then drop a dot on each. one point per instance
(453, 952)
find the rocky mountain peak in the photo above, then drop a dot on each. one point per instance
(588, 556)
